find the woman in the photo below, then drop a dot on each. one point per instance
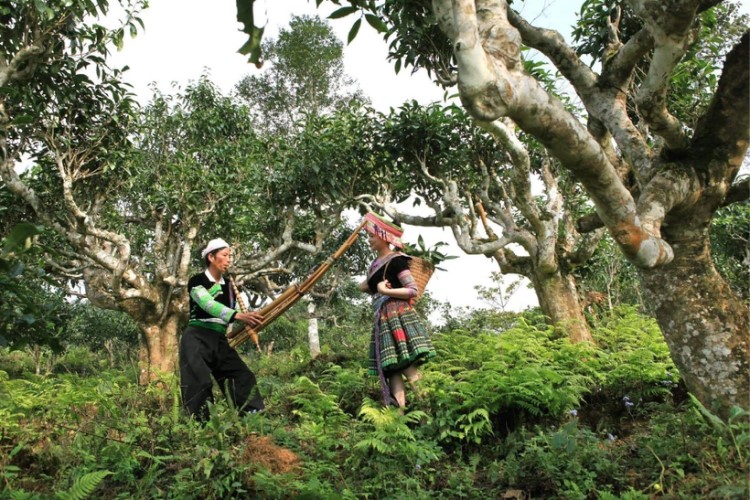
(204, 349)
(399, 340)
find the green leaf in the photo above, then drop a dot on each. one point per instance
(376, 23)
(20, 237)
(17, 449)
(84, 486)
(245, 17)
(353, 32)
(39, 4)
(342, 12)
(714, 420)
(23, 120)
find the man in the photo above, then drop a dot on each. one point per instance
(204, 349)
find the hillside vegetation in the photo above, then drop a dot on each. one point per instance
(509, 409)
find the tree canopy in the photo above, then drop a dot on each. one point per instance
(304, 77)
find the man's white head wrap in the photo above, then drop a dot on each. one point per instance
(214, 244)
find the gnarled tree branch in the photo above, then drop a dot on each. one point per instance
(724, 131)
(670, 24)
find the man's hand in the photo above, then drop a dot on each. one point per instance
(251, 318)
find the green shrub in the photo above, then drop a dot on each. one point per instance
(16, 363)
(285, 333)
(350, 339)
(503, 378)
(631, 367)
(386, 456)
(565, 462)
(79, 360)
(113, 333)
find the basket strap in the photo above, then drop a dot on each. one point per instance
(385, 269)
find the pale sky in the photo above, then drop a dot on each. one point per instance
(183, 38)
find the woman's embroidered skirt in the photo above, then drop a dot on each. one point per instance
(403, 338)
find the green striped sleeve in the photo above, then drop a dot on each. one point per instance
(205, 300)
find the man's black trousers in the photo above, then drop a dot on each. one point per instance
(205, 353)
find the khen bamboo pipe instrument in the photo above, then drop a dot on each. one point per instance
(243, 308)
(291, 295)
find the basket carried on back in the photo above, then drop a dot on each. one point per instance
(421, 271)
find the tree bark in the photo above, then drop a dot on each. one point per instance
(37, 355)
(558, 299)
(312, 329)
(705, 326)
(110, 348)
(504, 204)
(158, 350)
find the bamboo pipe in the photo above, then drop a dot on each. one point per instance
(243, 308)
(292, 294)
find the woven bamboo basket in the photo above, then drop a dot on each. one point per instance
(422, 271)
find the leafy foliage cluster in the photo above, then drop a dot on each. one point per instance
(730, 241)
(65, 97)
(32, 311)
(519, 410)
(102, 330)
(292, 89)
(36, 314)
(432, 254)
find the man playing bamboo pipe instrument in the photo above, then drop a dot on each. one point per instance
(399, 341)
(204, 349)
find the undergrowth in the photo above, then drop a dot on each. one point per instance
(521, 412)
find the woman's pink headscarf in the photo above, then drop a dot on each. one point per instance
(383, 229)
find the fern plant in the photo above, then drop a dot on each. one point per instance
(526, 371)
(390, 438)
(632, 363)
(84, 486)
(313, 404)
